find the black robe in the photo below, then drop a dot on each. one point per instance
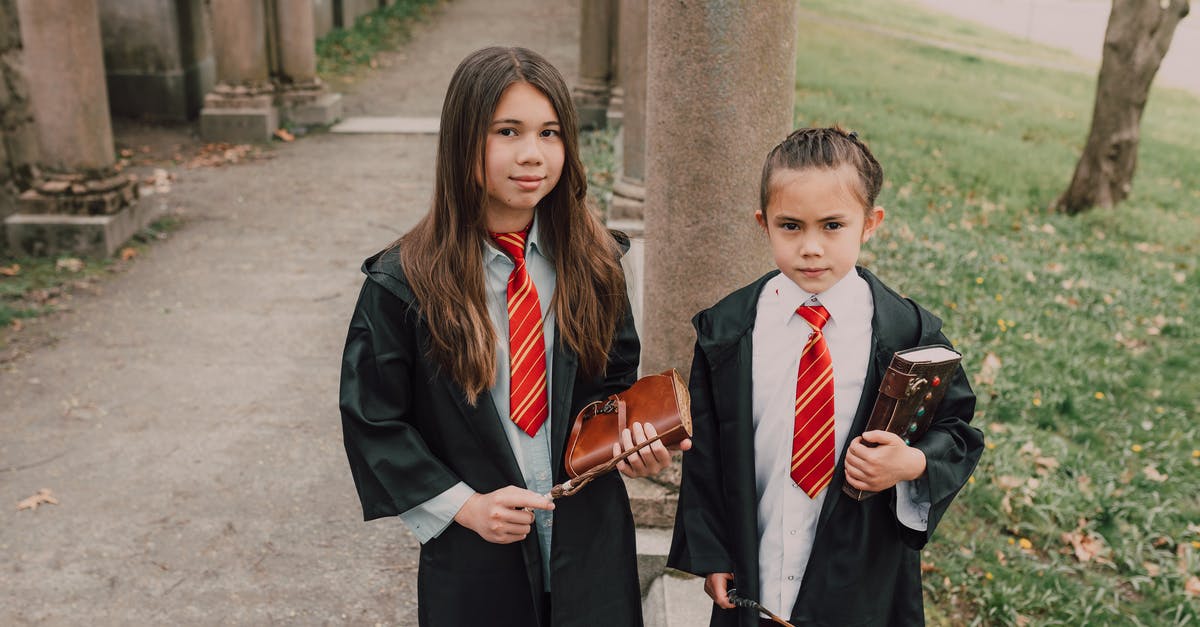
(410, 435)
(865, 566)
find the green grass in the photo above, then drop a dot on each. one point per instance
(1091, 418)
(33, 286)
(596, 150)
(343, 52)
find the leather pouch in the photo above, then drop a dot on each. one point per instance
(658, 399)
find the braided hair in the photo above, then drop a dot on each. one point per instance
(825, 148)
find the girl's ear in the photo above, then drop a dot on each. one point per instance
(874, 219)
(760, 218)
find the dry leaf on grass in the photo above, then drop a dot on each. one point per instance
(1088, 546)
(987, 372)
(128, 253)
(70, 264)
(1192, 587)
(43, 496)
(283, 134)
(12, 270)
(1153, 474)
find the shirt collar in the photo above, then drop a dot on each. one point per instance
(532, 244)
(843, 300)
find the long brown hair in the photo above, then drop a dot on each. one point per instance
(443, 254)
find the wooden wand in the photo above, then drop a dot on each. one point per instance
(752, 604)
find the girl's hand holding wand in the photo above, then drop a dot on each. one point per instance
(502, 516)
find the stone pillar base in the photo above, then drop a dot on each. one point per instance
(239, 114)
(628, 201)
(77, 194)
(592, 103)
(307, 109)
(96, 236)
(615, 114)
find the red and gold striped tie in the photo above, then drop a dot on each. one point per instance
(812, 440)
(528, 405)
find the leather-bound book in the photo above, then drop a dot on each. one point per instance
(909, 395)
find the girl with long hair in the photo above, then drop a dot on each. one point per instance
(477, 336)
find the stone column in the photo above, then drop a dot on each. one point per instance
(158, 57)
(616, 100)
(629, 192)
(79, 202)
(303, 98)
(720, 91)
(18, 133)
(595, 62)
(241, 107)
(65, 71)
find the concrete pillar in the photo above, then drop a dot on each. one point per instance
(629, 192)
(78, 186)
(322, 17)
(18, 133)
(157, 57)
(595, 62)
(721, 91)
(616, 99)
(303, 98)
(241, 107)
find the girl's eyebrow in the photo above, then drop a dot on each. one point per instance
(519, 122)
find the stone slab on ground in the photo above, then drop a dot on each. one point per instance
(238, 125)
(95, 236)
(676, 600)
(323, 111)
(653, 505)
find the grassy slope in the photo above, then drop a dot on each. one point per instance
(1095, 399)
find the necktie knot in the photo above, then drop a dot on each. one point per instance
(512, 243)
(816, 315)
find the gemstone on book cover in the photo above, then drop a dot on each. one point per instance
(937, 381)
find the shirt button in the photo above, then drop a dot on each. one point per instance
(793, 532)
(790, 578)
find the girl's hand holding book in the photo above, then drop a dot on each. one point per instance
(878, 460)
(502, 516)
(649, 461)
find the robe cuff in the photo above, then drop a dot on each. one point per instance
(912, 503)
(429, 519)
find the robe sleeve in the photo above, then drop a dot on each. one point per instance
(952, 448)
(700, 538)
(393, 468)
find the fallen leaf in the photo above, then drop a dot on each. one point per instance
(1009, 482)
(128, 253)
(1152, 569)
(70, 264)
(16, 324)
(987, 372)
(1046, 464)
(928, 567)
(1153, 474)
(1192, 587)
(42, 496)
(283, 134)
(1087, 545)
(12, 270)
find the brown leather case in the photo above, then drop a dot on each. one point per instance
(909, 396)
(659, 399)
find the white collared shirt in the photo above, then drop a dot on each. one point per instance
(787, 517)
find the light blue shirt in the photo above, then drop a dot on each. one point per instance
(429, 519)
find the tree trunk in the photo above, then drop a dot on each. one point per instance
(1138, 36)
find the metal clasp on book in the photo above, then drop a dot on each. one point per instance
(609, 407)
(915, 385)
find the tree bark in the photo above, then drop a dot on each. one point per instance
(1138, 36)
